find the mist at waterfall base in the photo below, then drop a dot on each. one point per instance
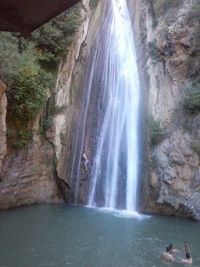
(60, 236)
(112, 86)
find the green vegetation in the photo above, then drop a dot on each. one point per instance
(196, 147)
(54, 38)
(195, 10)
(156, 131)
(9, 56)
(160, 7)
(29, 67)
(24, 137)
(62, 138)
(195, 14)
(154, 52)
(191, 100)
(26, 96)
(93, 4)
(47, 119)
(193, 66)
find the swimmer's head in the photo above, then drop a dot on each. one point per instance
(170, 247)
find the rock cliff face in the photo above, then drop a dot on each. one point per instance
(168, 59)
(64, 90)
(3, 104)
(77, 133)
(26, 174)
(31, 175)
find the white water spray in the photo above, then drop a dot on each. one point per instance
(115, 166)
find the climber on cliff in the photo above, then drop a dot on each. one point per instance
(85, 160)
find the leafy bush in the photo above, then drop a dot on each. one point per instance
(19, 138)
(54, 38)
(25, 99)
(151, 10)
(195, 14)
(153, 51)
(196, 147)
(26, 96)
(156, 131)
(9, 55)
(195, 11)
(93, 4)
(191, 100)
(193, 66)
(23, 138)
(12, 57)
(28, 67)
(160, 7)
(47, 119)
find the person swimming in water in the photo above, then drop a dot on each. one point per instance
(188, 258)
(168, 254)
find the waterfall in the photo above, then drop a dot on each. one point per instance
(113, 85)
(116, 159)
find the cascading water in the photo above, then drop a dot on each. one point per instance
(112, 86)
(116, 160)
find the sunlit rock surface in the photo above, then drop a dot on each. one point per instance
(29, 175)
(75, 113)
(64, 86)
(169, 61)
(3, 104)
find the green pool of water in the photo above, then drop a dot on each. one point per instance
(59, 235)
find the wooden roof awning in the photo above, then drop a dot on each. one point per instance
(24, 16)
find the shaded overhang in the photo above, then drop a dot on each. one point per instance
(24, 16)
